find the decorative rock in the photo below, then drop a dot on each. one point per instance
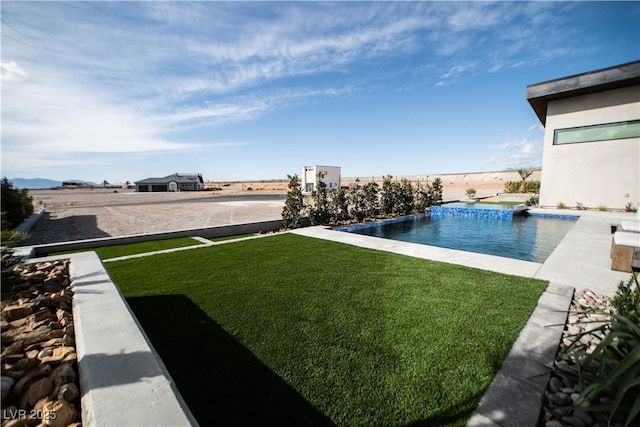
(18, 311)
(36, 391)
(7, 384)
(58, 354)
(555, 384)
(63, 374)
(13, 348)
(37, 335)
(68, 392)
(64, 412)
(31, 376)
(588, 419)
(573, 421)
(558, 399)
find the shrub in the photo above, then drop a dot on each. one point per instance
(612, 369)
(294, 204)
(470, 192)
(533, 201)
(370, 204)
(627, 299)
(611, 373)
(356, 202)
(512, 186)
(436, 191)
(422, 198)
(561, 205)
(339, 205)
(404, 198)
(17, 205)
(602, 208)
(580, 207)
(388, 195)
(630, 208)
(533, 187)
(516, 187)
(319, 212)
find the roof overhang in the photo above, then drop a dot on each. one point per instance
(620, 76)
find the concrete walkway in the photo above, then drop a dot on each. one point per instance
(581, 260)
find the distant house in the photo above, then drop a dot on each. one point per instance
(592, 138)
(175, 182)
(331, 177)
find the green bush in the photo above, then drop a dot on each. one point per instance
(319, 211)
(292, 213)
(627, 299)
(436, 191)
(533, 201)
(611, 372)
(515, 186)
(470, 192)
(17, 205)
(339, 205)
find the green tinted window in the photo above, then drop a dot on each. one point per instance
(619, 130)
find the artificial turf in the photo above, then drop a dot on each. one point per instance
(114, 251)
(294, 330)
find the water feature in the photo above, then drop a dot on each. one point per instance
(528, 237)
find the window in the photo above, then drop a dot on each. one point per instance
(605, 132)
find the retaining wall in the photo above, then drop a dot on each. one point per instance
(206, 232)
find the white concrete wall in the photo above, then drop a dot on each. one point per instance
(602, 173)
(331, 176)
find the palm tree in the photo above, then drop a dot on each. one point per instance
(524, 174)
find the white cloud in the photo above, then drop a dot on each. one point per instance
(12, 72)
(528, 153)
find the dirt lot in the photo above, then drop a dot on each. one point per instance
(74, 214)
(85, 214)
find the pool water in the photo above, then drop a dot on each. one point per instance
(525, 237)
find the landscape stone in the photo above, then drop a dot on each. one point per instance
(65, 413)
(7, 384)
(68, 392)
(35, 333)
(63, 374)
(36, 391)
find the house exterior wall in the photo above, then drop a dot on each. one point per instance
(600, 173)
(331, 177)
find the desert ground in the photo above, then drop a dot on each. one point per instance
(83, 213)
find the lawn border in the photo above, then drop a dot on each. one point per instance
(515, 396)
(123, 380)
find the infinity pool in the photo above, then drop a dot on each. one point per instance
(525, 237)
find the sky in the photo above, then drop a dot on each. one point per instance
(122, 91)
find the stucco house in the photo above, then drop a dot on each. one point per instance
(331, 177)
(175, 182)
(592, 138)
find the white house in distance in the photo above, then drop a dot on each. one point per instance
(310, 173)
(592, 138)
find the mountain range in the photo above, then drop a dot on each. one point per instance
(43, 183)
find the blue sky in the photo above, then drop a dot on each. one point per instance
(122, 91)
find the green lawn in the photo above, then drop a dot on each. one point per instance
(115, 251)
(237, 236)
(298, 331)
